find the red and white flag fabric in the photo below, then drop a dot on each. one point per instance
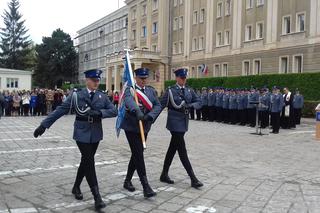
(144, 99)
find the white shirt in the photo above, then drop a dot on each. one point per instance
(90, 91)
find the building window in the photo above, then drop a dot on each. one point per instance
(154, 48)
(217, 70)
(298, 63)
(219, 39)
(300, 22)
(249, 4)
(134, 35)
(181, 22)
(286, 25)
(134, 14)
(12, 82)
(144, 10)
(180, 46)
(201, 43)
(248, 33)
(227, 37)
(260, 3)
(228, 8)
(144, 32)
(194, 44)
(175, 23)
(259, 31)
(225, 70)
(219, 9)
(284, 64)
(257, 66)
(202, 14)
(154, 5)
(175, 47)
(195, 17)
(155, 28)
(246, 68)
(175, 3)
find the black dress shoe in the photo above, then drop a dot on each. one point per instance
(77, 193)
(128, 186)
(147, 190)
(98, 202)
(196, 184)
(166, 179)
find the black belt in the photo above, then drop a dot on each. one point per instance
(182, 110)
(88, 119)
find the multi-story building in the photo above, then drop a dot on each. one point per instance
(148, 35)
(224, 37)
(100, 39)
(246, 37)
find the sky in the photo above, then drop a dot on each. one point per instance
(44, 16)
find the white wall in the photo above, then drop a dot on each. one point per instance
(24, 81)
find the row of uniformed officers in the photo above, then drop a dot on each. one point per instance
(91, 106)
(238, 106)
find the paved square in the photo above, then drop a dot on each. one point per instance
(241, 172)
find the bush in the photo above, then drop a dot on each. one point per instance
(308, 110)
(308, 83)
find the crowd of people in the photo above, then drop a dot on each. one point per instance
(238, 106)
(38, 102)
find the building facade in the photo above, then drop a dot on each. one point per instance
(100, 39)
(246, 37)
(15, 79)
(212, 38)
(148, 24)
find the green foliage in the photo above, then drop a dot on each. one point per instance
(309, 107)
(57, 60)
(15, 43)
(308, 83)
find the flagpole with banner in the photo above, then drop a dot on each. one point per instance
(129, 81)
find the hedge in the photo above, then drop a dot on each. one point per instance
(308, 84)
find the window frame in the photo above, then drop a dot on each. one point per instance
(298, 23)
(280, 64)
(254, 66)
(243, 67)
(226, 12)
(246, 32)
(202, 15)
(225, 37)
(257, 32)
(219, 43)
(284, 28)
(294, 69)
(215, 74)
(219, 12)
(195, 17)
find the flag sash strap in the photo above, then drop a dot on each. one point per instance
(143, 98)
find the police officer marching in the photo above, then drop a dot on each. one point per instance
(179, 99)
(91, 106)
(147, 111)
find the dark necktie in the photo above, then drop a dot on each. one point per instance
(183, 92)
(91, 95)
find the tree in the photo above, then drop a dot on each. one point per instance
(15, 43)
(56, 60)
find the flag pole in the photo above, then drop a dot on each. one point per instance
(143, 139)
